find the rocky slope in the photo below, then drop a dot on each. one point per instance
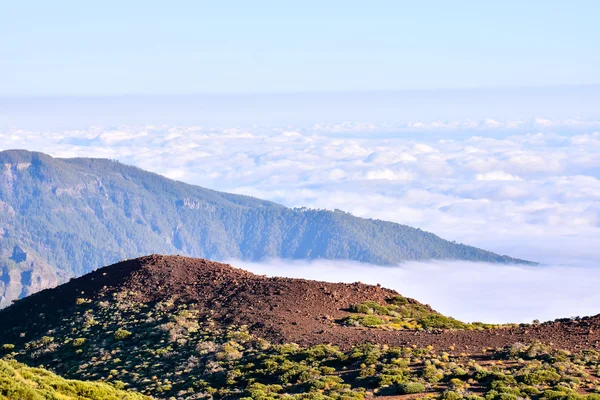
(176, 327)
(278, 309)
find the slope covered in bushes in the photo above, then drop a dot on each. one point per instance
(174, 327)
(18, 381)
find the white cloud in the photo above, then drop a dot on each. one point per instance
(497, 176)
(390, 175)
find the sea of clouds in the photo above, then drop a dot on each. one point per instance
(526, 188)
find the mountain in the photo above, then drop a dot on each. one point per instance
(61, 218)
(176, 327)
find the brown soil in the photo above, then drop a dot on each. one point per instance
(278, 309)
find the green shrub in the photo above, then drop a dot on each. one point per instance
(541, 377)
(8, 347)
(431, 374)
(410, 388)
(398, 300)
(230, 351)
(122, 334)
(366, 320)
(450, 395)
(506, 396)
(553, 394)
(78, 342)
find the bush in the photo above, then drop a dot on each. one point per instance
(450, 395)
(398, 300)
(7, 348)
(410, 388)
(78, 342)
(367, 320)
(229, 352)
(431, 374)
(506, 396)
(541, 376)
(122, 334)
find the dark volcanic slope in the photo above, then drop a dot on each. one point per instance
(66, 217)
(282, 310)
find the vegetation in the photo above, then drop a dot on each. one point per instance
(402, 313)
(171, 352)
(18, 381)
(74, 215)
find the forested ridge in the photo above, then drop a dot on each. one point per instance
(64, 217)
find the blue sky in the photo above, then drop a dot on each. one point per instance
(182, 47)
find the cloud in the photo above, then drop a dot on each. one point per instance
(497, 176)
(390, 175)
(467, 291)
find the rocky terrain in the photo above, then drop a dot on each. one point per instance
(177, 327)
(278, 309)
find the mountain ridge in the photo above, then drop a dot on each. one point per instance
(70, 216)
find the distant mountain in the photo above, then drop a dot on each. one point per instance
(64, 217)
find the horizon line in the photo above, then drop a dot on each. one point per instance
(298, 92)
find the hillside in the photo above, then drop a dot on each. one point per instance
(18, 381)
(64, 217)
(191, 328)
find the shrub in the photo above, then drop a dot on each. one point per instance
(506, 396)
(554, 394)
(410, 388)
(367, 320)
(229, 352)
(122, 334)
(7, 348)
(432, 374)
(398, 300)
(78, 342)
(541, 376)
(450, 395)
(370, 307)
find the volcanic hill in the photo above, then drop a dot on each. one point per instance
(176, 327)
(279, 309)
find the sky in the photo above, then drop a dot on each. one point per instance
(74, 48)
